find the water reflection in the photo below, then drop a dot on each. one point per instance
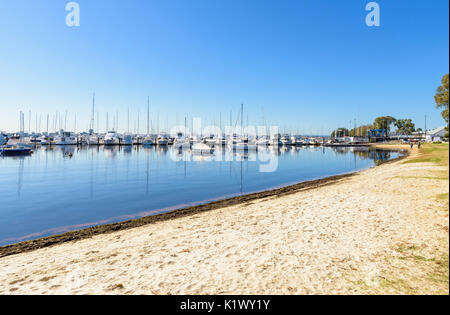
(83, 186)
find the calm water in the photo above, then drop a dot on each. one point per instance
(49, 193)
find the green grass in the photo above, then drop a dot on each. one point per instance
(432, 153)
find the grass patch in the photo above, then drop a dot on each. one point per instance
(413, 272)
(443, 197)
(432, 153)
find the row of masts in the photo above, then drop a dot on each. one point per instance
(59, 121)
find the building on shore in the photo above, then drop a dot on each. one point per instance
(435, 134)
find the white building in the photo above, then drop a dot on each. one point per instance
(435, 134)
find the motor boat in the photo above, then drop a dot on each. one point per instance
(193, 139)
(3, 139)
(286, 140)
(210, 140)
(15, 150)
(111, 138)
(221, 140)
(148, 140)
(295, 141)
(94, 140)
(202, 149)
(137, 140)
(67, 138)
(125, 140)
(162, 140)
(275, 140)
(262, 141)
(237, 143)
(181, 142)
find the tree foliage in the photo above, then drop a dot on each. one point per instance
(384, 122)
(405, 126)
(441, 97)
(360, 131)
(341, 132)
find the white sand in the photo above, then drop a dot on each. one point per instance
(310, 242)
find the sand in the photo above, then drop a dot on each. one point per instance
(337, 239)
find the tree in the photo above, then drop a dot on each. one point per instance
(441, 98)
(384, 122)
(341, 132)
(405, 126)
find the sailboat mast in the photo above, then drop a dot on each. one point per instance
(93, 113)
(148, 115)
(242, 119)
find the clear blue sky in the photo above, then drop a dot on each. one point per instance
(313, 65)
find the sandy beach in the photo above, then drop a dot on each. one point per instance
(381, 231)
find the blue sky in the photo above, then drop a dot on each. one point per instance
(311, 65)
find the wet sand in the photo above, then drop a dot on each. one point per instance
(333, 236)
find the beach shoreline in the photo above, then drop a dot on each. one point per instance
(80, 234)
(378, 231)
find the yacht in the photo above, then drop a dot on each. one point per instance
(221, 140)
(15, 150)
(162, 140)
(295, 141)
(275, 140)
(126, 140)
(193, 139)
(202, 149)
(137, 140)
(48, 140)
(94, 140)
(285, 140)
(148, 140)
(181, 142)
(67, 138)
(244, 143)
(210, 140)
(111, 138)
(3, 139)
(262, 141)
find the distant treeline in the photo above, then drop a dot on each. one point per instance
(403, 126)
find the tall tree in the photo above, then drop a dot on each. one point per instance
(405, 126)
(360, 131)
(441, 98)
(341, 132)
(384, 122)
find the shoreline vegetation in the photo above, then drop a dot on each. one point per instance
(379, 231)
